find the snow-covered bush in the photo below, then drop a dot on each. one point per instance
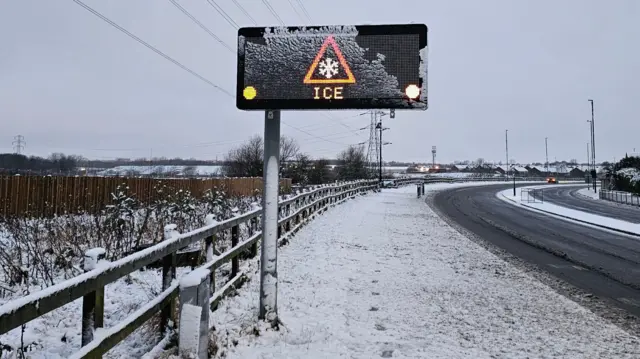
(626, 175)
(38, 252)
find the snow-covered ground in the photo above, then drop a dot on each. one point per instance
(146, 170)
(384, 276)
(57, 334)
(507, 195)
(589, 193)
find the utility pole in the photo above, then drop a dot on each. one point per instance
(546, 151)
(380, 128)
(588, 165)
(588, 156)
(18, 144)
(380, 157)
(593, 147)
(372, 144)
(433, 157)
(506, 143)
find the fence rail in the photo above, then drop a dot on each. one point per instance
(50, 195)
(620, 197)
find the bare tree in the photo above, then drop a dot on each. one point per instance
(320, 172)
(299, 170)
(289, 149)
(245, 160)
(353, 164)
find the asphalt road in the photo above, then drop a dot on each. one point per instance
(596, 261)
(567, 196)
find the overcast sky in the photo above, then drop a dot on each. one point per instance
(71, 83)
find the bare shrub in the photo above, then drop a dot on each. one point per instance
(39, 252)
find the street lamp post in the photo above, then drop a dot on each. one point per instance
(514, 180)
(593, 148)
(506, 144)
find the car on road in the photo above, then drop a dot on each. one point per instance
(389, 184)
(552, 180)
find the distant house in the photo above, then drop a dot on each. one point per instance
(535, 171)
(458, 168)
(520, 171)
(501, 169)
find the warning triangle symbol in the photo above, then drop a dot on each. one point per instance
(327, 69)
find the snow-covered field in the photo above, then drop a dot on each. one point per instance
(384, 276)
(507, 195)
(147, 170)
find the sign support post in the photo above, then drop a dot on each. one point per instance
(270, 194)
(329, 82)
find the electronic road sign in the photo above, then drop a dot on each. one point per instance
(332, 67)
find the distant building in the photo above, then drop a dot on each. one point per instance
(577, 172)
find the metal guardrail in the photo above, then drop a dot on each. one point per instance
(620, 197)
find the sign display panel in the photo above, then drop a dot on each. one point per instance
(332, 67)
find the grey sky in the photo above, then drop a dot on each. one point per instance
(71, 83)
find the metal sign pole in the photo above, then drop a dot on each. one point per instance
(269, 248)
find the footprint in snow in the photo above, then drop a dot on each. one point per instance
(380, 327)
(387, 353)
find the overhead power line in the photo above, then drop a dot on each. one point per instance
(223, 13)
(150, 47)
(273, 11)
(185, 68)
(295, 9)
(304, 9)
(188, 14)
(245, 12)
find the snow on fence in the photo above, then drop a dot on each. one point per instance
(620, 197)
(293, 213)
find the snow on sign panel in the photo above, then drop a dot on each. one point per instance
(332, 67)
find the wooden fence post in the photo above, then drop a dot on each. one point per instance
(168, 275)
(254, 227)
(193, 338)
(209, 244)
(93, 302)
(235, 262)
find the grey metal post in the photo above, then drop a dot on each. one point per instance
(193, 338)
(269, 248)
(593, 144)
(546, 151)
(506, 144)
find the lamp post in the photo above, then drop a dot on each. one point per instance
(593, 147)
(514, 180)
(506, 144)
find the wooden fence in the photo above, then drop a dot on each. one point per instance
(293, 213)
(49, 195)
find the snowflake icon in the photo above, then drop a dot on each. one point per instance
(328, 67)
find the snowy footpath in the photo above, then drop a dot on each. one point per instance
(384, 276)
